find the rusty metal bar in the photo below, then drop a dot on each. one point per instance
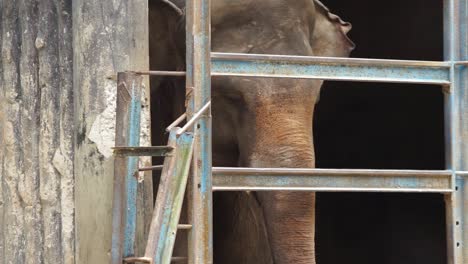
(326, 68)
(198, 62)
(127, 133)
(143, 151)
(170, 197)
(349, 180)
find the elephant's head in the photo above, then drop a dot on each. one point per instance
(264, 122)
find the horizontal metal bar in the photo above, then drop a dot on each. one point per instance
(327, 68)
(160, 73)
(143, 151)
(184, 226)
(137, 259)
(151, 168)
(149, 260)
(343, 180)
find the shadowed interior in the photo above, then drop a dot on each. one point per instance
(383, 126)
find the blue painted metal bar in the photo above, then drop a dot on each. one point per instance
(198, 82)
(170, 197)
(456, 118)
(349, 180)
(341, 69)
(125, 183)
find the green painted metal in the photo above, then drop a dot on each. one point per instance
(170, 197)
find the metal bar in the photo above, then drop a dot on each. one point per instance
(268, 179)
(176, 122)
(170, 197)
(143, 151)
(194, 118)
(149, 260)
(127, 133)
(160, 73)
(184, 227)
(456, 127)
(198, 61)
(324, 68)
(151, 168)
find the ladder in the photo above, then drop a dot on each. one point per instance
(451, 74)
(173, 182)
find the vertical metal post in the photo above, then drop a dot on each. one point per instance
(456, 118)
(198, 55)
(127, 133)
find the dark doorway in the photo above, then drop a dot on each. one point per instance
(383, 126)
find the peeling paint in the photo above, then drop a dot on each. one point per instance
(102, 131)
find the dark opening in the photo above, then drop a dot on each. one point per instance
(383, 126)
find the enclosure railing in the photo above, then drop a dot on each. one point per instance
(451, 74)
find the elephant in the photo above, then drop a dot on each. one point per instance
(257, 122)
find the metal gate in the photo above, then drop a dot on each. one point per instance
(450, 74)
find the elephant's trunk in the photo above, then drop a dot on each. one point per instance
(283, 138)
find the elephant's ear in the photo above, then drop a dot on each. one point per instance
(329, 38)
(164, 30)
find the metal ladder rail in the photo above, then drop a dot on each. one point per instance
(173, 184)
(168, 205)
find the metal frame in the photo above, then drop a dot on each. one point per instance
(451, 74)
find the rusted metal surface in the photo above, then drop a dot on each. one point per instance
(125, 184)
(198, 62)
(266, 179)
(170, 197)
(324, 68)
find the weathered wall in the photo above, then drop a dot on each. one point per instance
(57, 102)
(36, 132)
(109, 36)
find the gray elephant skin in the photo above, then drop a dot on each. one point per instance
(257, 122)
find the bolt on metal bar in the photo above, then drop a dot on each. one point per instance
(326, 68)
(194, 119)
(176, 122)
(269, 179)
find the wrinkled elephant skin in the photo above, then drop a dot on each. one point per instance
(258, 122)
